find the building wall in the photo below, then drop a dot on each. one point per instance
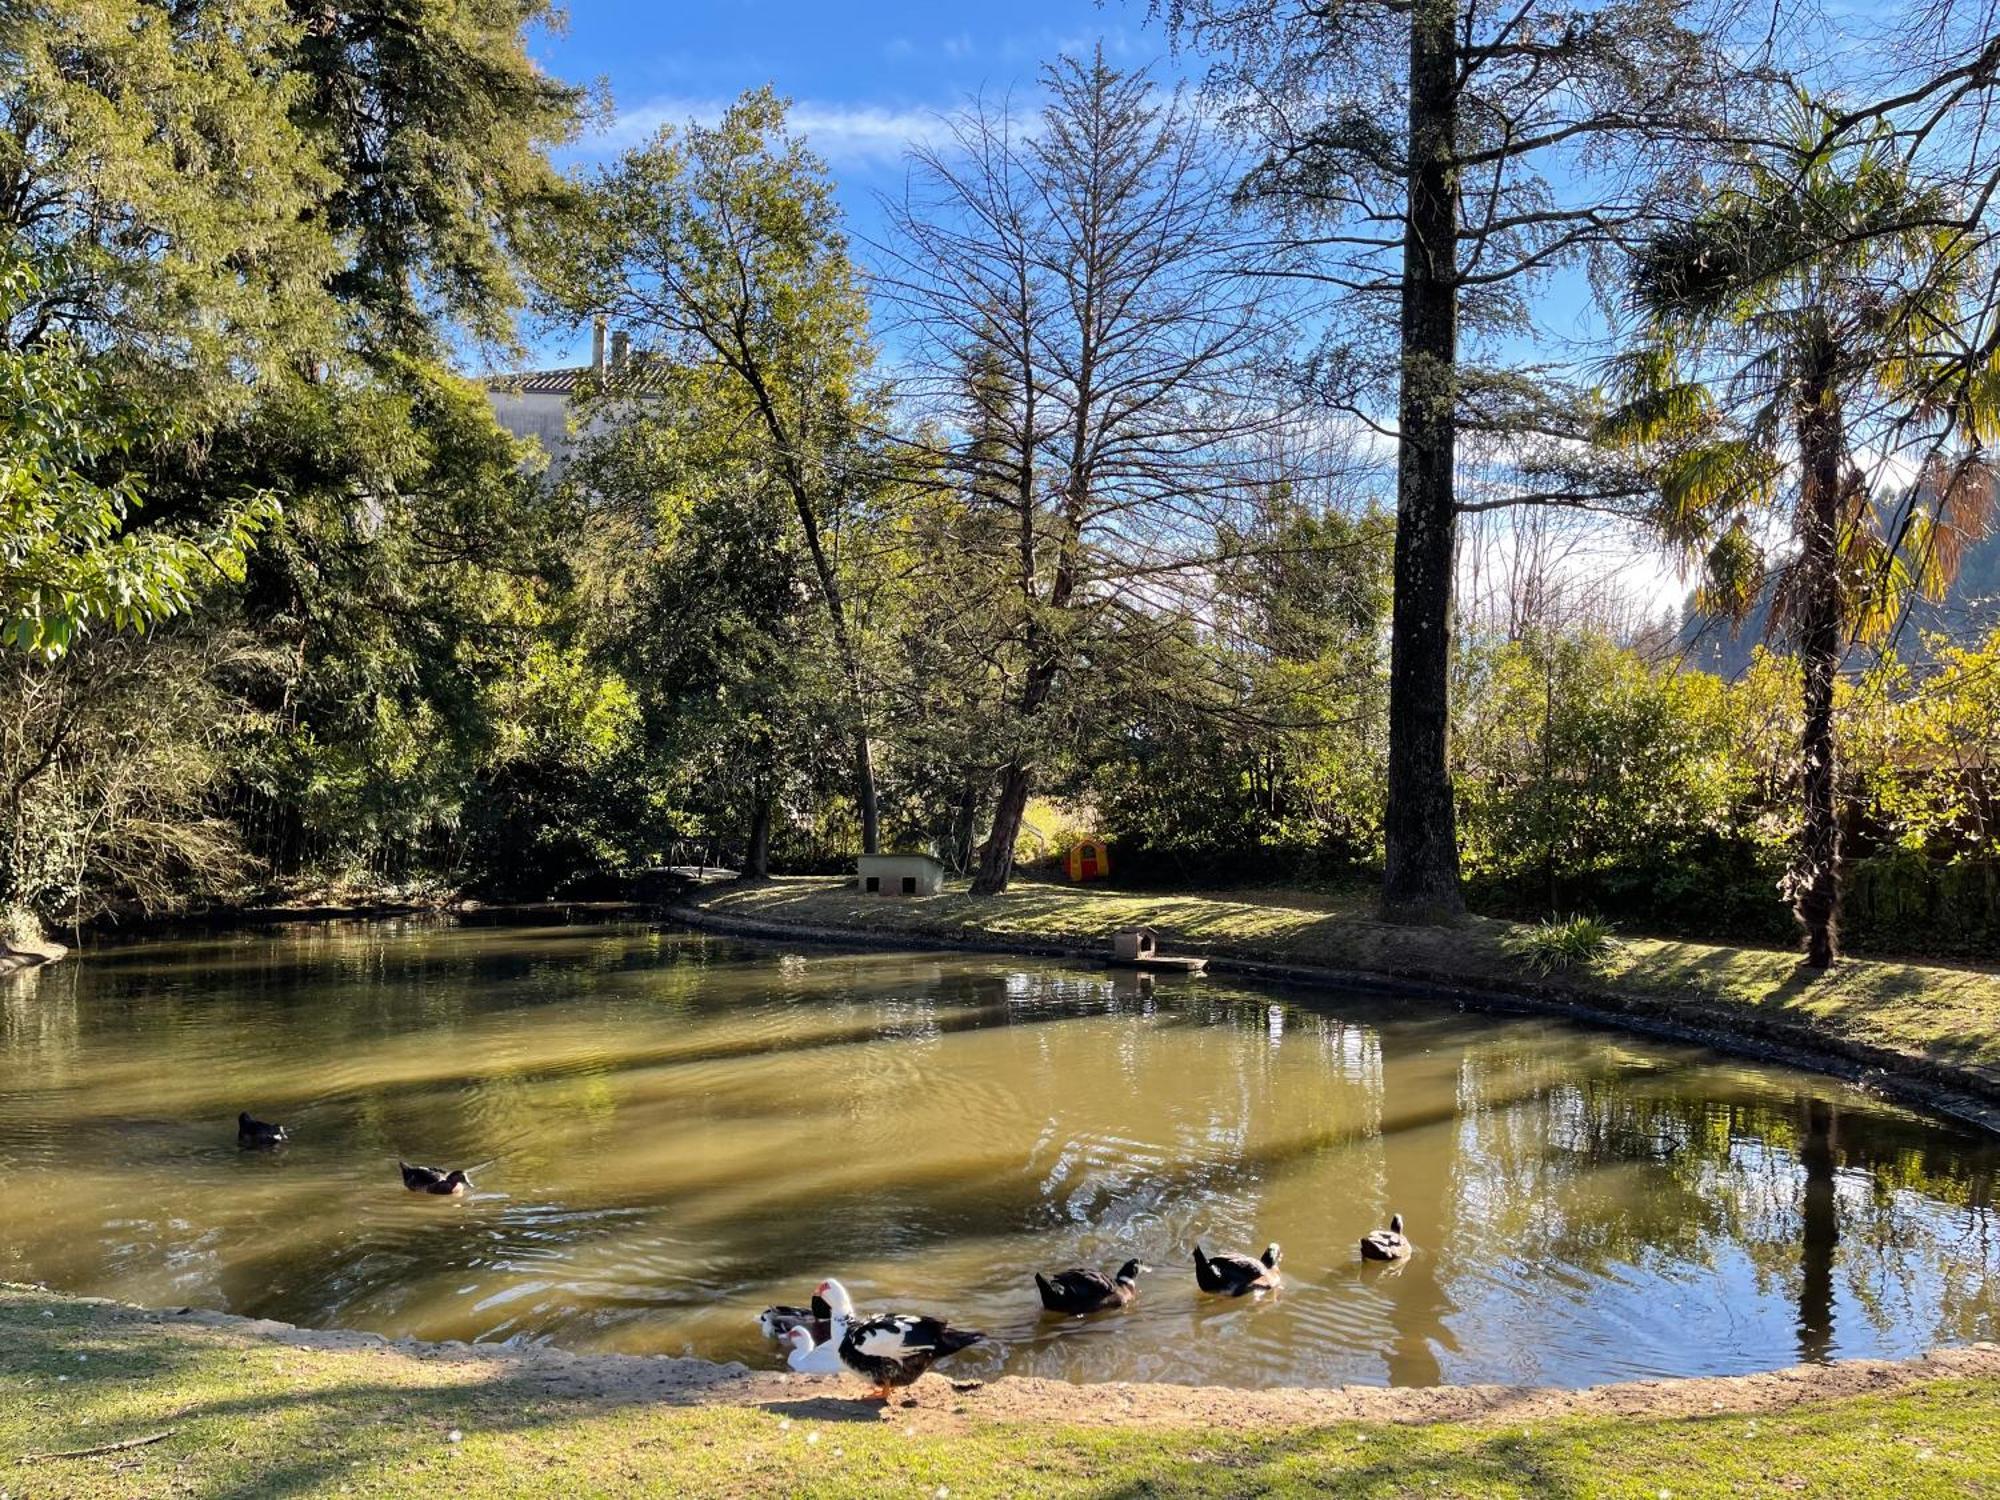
(541, 417)
(891, 870)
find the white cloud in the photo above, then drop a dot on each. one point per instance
(847, 135)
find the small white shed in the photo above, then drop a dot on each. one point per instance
(899, 875)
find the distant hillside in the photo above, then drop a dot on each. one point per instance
(1968, 613)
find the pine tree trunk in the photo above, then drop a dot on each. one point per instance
(1815, 877)
(1420, 876)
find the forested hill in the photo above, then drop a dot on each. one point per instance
(1968, 613)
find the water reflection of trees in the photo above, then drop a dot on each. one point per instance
(1642, 1164)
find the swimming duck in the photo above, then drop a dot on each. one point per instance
(434, 1180)
(896, 1348)
(1083, 1290)
(829, 1309)
(1386, 1244)
(809, 1356)
(1232, 1275)
(251, 1132)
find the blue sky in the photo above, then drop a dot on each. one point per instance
(864, 78)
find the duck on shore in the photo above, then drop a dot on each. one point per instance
(1231, 1274)
(254, 1132)
(1083, 1290)
(895, 1349)
(809, 1356)
(435, 1180)
(1387, 1244)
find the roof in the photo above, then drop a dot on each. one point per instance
(643, 375)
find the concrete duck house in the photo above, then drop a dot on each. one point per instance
(898, 875)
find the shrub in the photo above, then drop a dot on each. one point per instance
(1557, 944)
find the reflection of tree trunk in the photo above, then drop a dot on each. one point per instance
(1419, 1177)
(1820, 1234)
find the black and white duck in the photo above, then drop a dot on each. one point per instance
(253, 1132)
(1387, 1244)
(895, 1349)
(829, 1304)
(1232, 1275)
(1083, 1290)
(435, 1180)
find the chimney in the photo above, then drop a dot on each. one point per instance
(621, 346)
(597, 345)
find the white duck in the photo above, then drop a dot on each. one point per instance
(821, 1356)
(809, 1358)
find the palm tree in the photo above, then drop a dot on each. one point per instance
(1807, 320)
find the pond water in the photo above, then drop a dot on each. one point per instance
(668, 1132)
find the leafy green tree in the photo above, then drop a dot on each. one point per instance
(1796, 321)
(436, 125)
(722, 245)
(1257, 745)
(1592, 778)
(72, 551)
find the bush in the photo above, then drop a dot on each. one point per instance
(1558, 944)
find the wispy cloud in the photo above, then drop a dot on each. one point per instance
(847, 135)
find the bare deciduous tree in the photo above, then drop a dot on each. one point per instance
(1086, 342)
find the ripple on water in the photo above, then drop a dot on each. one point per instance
(668, 1133)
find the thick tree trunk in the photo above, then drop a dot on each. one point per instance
(1420, 878)
(757, 855)
(864, 789)
(996, 855)
(1815, 877)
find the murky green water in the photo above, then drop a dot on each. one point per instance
(670, 1132)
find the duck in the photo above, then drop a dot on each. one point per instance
(1083, 1290)
(253, 1132)
(1386, 1244)
(1232, 1274)
(896, 1348)
(816, 1318)
(828, 1309)
(811, 1356)
(435, 1180)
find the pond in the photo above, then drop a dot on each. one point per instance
(669, 1131)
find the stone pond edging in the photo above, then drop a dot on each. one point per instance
(1970, 1095)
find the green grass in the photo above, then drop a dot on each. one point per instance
(1933, 1013)
(257, 1416)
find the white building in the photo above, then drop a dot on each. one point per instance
(537, 403)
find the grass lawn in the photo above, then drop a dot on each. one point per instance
(250, 1414)
(1924, 1013)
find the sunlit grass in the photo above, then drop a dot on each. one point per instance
(250, 1417)
(1936, 1012)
